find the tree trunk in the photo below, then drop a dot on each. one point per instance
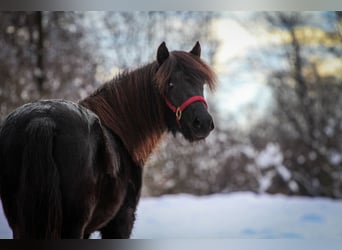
(39, 71)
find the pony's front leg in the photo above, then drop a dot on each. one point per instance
(121, 226)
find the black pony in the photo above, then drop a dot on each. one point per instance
(68, 169)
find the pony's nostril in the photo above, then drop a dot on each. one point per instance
(211, 126)
(196, 124)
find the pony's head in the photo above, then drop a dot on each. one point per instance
(181, 77)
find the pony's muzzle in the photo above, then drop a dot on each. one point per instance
(202, 125)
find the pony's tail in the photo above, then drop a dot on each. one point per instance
(41, 211)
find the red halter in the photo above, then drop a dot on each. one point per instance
(179, 110)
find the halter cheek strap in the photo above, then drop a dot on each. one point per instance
(179, 110)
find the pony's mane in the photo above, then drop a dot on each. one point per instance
(131, 104)
(189, 63)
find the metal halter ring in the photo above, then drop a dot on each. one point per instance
(178, 113)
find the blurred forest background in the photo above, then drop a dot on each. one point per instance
(277, 109)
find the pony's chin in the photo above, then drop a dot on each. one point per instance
(191, 136)
(199, 138)
(188, 134)
(195, 138)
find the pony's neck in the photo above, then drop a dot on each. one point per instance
(131, 107)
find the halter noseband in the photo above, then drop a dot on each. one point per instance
(179, 110)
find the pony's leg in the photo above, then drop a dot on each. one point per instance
(15, 233)
(86, 236)
(121, 226)
(74, 232)
(77, 210)
(78, 191)
(75, 219)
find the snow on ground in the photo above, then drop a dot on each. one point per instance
(236, 215)
(239, 215)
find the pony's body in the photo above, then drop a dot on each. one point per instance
(96, 176)
(68, 169)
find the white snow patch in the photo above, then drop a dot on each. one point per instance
(335, 158)
(232, 216)
(265, 181)
(270, 156)
(293, 186)
(283, 172)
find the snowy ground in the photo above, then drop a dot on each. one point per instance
(236, 215)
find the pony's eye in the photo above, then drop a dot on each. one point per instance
(170, 85)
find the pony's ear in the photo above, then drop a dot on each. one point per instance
(196, 50)
(162, 53)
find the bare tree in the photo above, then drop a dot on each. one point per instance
(307, 108)
(43, 55)
(136, 35)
